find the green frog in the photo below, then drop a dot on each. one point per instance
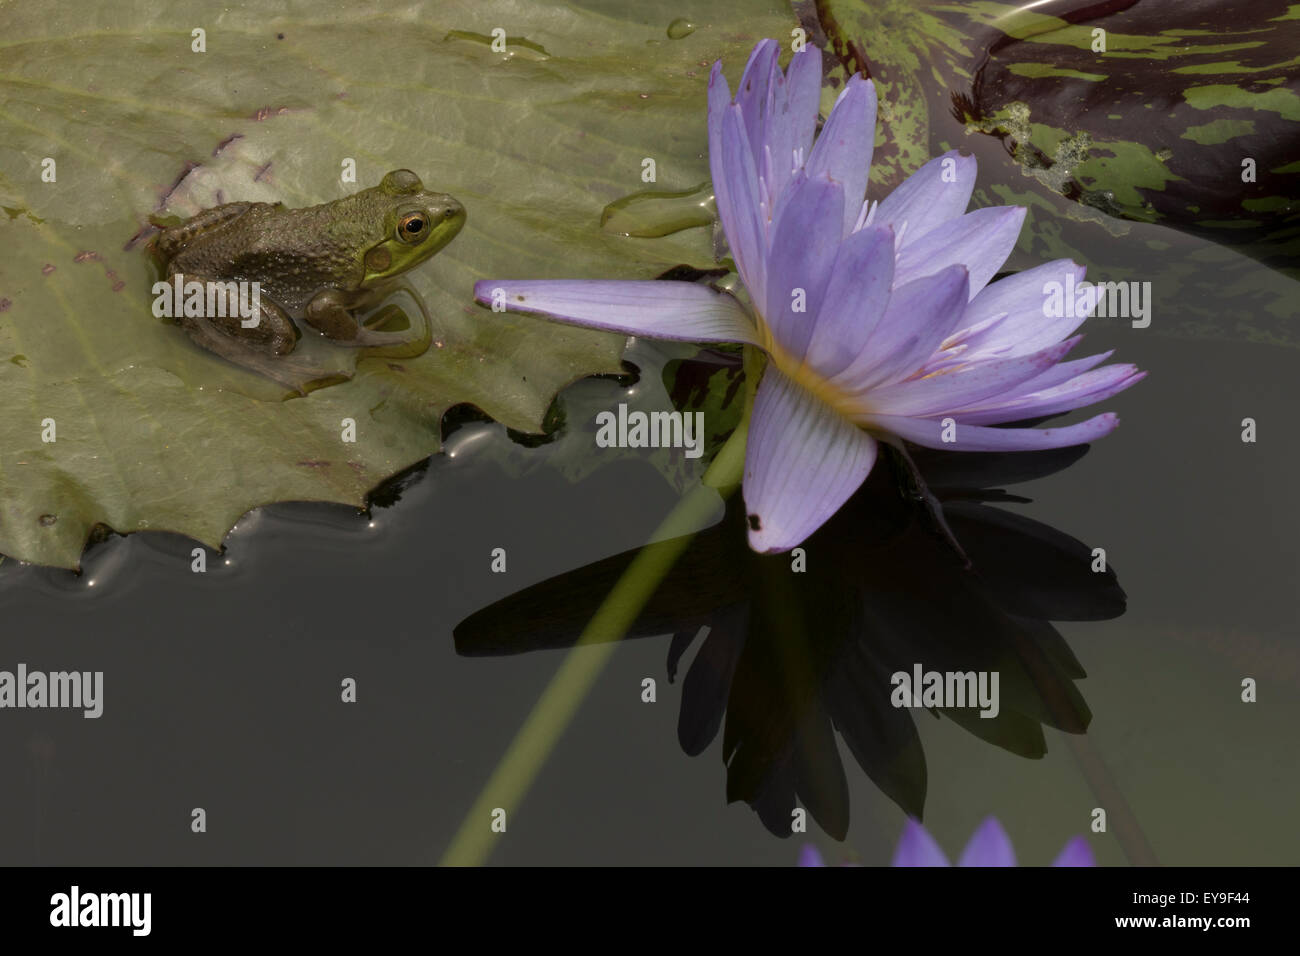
(319, 265)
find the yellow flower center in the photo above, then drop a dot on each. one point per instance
(807, 377)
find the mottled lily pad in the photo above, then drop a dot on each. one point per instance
(1104, 144)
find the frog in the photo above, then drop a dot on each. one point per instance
(318, 264)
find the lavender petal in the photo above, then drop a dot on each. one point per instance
(1027, 326)
(855, 299)
(919, 316)
(803, 93)
(681, 311)
(756, 90)
(929, 432)
(1083, 390)
(978, 382)
(989, 846)
(802, 462)
(809, 855)
(742, 215)
(980, 240)
(937, 192)
(917, 848)
(843, 148)
(1076, 853)
(804, 244)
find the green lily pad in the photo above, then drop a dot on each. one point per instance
(152, 432)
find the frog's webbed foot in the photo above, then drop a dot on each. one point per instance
(335, 322)
(404, 344)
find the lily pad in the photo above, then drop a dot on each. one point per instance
(152, 432)
(1145, 114)
(1099, 144)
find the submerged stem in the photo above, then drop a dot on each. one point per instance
(555, 708)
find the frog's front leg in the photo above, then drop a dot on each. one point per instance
(328, 312)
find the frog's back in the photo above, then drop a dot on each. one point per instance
(174, 238)
(293, 253)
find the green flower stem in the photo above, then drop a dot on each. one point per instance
(550, 716)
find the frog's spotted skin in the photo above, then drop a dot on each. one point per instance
(317, 264)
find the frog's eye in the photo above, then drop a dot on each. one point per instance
(412, 228)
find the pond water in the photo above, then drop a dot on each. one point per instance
(222, 689)
(1121, 690)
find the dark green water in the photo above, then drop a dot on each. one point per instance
(222, 689)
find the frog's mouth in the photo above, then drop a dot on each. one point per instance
(446, 229)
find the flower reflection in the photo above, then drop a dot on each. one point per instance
(784, 661)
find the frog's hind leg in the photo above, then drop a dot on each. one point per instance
(284, 370)
(273, 333)
(263, 348)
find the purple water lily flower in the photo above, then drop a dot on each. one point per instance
(877, 318)
(989, 846)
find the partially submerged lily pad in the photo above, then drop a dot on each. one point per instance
(1145, 113)
(151, 432)
(1098, 144)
